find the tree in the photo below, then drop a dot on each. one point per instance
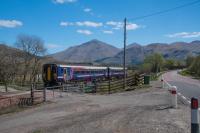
(189, 60)
(195, 66)
(8, 66)
(33, 48)
(169, 64)
(146, 68)
(156, 60)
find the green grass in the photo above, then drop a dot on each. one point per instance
(185, 73)
(188, 73)
(153, 77)
(20, 88)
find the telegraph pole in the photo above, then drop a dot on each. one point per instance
(124, 61)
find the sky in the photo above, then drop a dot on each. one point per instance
(65, 23)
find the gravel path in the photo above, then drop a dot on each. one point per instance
(139, 111)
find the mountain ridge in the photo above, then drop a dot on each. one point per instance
(87, 52)
(136, 55)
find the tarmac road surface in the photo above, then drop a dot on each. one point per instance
(187, 86)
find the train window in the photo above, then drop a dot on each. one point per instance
(82, 72)
(76, 72)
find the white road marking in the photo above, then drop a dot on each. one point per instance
(184, 97)
(181, 95)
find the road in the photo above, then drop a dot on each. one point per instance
(187, 86)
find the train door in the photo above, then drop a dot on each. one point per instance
(65, 74)
(68, 73)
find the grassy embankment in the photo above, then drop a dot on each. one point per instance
(186, 72)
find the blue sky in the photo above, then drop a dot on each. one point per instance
(65, 23)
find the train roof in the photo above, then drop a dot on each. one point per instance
(91, 67)
(84, 67)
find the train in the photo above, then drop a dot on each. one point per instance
(55, 74)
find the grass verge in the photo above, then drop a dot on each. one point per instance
(185, 72)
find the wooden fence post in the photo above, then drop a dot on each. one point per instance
(44, 94)
(32, 93)
(53, 92)
(109, 86)
(95, 86)
(61, 88)
(108, 80)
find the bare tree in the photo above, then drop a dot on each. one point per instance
(33, 48)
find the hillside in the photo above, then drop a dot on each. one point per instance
(136, 53)
(7, 49)
(17, 53)
(87, 52)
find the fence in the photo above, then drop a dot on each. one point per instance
(114, 85)
(12, 100)
(28, 98)
(40, 94)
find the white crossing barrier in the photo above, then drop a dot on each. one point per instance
(172, 90)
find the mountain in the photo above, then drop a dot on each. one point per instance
(135, 53)
(133, 45)
(87, 52)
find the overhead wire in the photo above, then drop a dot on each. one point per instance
(165, 11)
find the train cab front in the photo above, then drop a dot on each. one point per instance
(49, 74)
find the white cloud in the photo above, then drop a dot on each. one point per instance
(85, 23)
(64, 1)
(184, 35)
(87, 10)
(119, 25)
(116, 25)
(89, 24)
(86, 32)
(131, 26)
(66, 24)
(10, 23)
(108, 32)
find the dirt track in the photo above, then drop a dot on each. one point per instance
(140, 111)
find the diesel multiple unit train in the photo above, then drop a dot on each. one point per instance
(54, 74)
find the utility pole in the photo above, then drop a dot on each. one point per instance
(124, 61)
